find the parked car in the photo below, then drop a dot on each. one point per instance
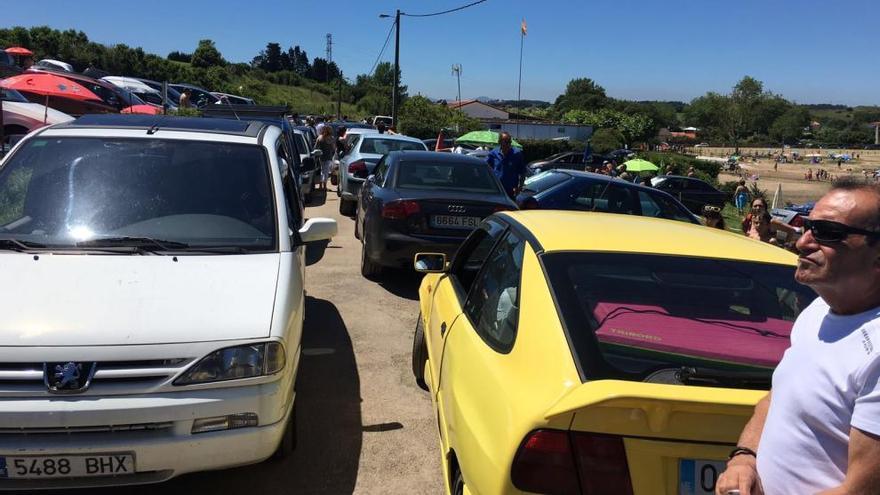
(308, 133)
(20, 116)
(169, 256)
(692, 192)
(114, 98)
(173, 94)
(142, 90)
(422, 201)
(364, 151)
(564, 353)
(234, 99)
(568, 160)
(200, 96)
(585, 191)
(381, 119)
(49, 63)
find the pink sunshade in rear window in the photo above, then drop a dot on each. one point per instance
(651, 328)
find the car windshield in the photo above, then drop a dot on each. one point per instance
(6, 58)
(633, 317)
(381, 146)
(471, 177)
(12, 95)
(58, 191)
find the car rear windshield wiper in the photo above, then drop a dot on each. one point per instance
(735, 378)
(19, 245)
(141, 243)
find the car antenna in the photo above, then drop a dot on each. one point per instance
(153, 129)
(231, 107)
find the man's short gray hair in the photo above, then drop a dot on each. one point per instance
(853, 184)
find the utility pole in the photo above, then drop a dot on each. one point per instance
(339, 99)
(395, 97)
(456, 70)
(329, 49)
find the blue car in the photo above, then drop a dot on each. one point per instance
(585, 191)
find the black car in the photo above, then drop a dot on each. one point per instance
(584, 191)
(568, 160)
(200, 96)
(422, 201)
(692, 192)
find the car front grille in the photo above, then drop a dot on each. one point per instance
(111, 377)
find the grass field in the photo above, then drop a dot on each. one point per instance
(300, 99)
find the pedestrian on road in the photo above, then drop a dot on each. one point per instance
(508, 164)
(327, 145)
(741, 196)
(818, 430)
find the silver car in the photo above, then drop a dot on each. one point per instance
(307, 174)
(363, 153)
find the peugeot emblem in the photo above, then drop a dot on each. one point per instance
(68, 378)
(457, 209)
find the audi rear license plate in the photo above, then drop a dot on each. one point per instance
(66, 466)
(698, 477)
(454, 222)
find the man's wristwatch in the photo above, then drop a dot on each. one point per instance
(741, 451)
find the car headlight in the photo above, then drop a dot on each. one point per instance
(233, 363)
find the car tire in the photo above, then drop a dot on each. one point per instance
(288, 440)
(346, 207)
(369, 269)
(458, 484)
(419, 354)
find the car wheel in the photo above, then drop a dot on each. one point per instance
(346, 207)
(458, 487)
(369, 269)
(288, 440)
(419, 354)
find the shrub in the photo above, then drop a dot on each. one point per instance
(707, 171)
(538, 149)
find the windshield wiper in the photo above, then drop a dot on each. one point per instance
(695, 376)
(141, 243)
(19, 245)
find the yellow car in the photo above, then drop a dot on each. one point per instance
(577, 352)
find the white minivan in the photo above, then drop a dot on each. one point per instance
(151, 309)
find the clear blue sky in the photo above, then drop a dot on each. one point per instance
(811, 51)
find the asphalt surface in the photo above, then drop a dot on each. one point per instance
(363, 424)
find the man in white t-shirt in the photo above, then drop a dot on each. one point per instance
(818, 431)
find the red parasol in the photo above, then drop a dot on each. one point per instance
(18, 50)
(142, 109)
(48, 85)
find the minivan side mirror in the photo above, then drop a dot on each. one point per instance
(430, 263)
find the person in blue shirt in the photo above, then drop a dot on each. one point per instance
(508, 164)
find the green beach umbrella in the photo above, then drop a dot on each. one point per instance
(639, 165)
(484, 138)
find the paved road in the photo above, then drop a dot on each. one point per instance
(364, 426)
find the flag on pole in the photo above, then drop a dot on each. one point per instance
(523, 28)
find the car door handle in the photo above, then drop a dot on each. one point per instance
(442, 328)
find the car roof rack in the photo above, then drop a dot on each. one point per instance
(168, 123)
(245, 111)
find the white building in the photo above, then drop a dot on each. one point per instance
(524, 129)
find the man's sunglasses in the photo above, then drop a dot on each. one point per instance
(830, 231)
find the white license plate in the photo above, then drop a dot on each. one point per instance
(454, 222)
(698, 477)
(66, 466)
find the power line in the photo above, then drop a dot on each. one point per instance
(382, 51)
(445, 11)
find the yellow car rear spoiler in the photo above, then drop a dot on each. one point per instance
(656, 399)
